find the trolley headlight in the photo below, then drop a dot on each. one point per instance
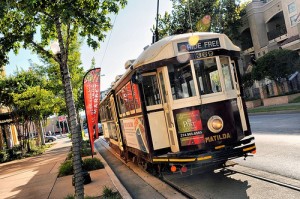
(215, 124)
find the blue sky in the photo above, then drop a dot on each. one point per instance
(131, 33)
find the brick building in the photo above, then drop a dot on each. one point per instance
(269, 25)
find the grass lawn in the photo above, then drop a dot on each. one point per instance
(297, 100)
(286, 107)
(292, 106)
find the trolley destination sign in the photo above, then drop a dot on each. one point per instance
(201, 45)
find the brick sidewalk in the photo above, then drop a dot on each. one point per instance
(36, 177)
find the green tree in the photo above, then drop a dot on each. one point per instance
(220, 16)
(26, 95)
(247, 80)
(21, 20)
(37, 102)
(50, 68)
(276, 65)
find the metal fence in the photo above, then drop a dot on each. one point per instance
(284, 87)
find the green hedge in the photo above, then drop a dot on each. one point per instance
(88, 164)
(66, 168)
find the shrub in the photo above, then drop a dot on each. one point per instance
(69, 197)
(70, 155)
(297, 100)
(66, 168)
(85, 197)
(109, 193)
(3, 156)
(90, 164)
(86, 152)
(86, 149)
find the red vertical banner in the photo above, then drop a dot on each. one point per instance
(91, 94)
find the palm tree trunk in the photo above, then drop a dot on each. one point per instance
(75, 127)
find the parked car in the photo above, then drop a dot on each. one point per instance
(32, 134)
(50, 138)
(100, 130)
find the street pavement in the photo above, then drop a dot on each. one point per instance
(36, 177)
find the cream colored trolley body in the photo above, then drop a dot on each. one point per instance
(180, 104)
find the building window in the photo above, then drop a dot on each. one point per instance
(292, 7)
(293, 20)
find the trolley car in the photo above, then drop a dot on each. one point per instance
(180, 104)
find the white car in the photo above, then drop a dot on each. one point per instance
(50, 138)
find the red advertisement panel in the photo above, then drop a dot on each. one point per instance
(91, 93)
(135, 90)
(190, 128)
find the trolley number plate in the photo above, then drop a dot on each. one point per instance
(204, 54)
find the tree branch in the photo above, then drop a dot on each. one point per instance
(45, 52)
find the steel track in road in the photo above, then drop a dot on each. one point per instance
(177, 188)
(266, 179)
(185, 193)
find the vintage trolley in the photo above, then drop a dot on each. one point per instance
(180, 104)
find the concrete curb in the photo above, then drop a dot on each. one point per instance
(119, 186)
(160, 186)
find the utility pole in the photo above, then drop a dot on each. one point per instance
(155, 36)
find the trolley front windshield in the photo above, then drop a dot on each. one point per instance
(212, 75)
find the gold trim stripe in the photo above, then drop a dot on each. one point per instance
(204, 158)
(161, 160)
(181, 160)
(173, 160)
(219, 147)
(249, 148)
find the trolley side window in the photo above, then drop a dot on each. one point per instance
(151, 91)
(121, 103)
(208, 76)
(226, 73)
(136, 96)
(108, 111)
(181, 80)
(129, 103)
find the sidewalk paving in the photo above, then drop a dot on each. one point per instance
(36, 177)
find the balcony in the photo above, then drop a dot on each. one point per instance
(273, 34)
(246, 39)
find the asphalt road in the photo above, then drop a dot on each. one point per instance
(277, 158)
(285, 123)
(278, 152)
(278, 144)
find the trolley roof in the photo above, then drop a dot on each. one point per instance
(168, 47)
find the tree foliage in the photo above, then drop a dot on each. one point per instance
(276, 64)
(26, 94)
(247, 80)
(21, 21)
(51, 69)
(222, 16)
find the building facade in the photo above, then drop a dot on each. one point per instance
(8, 131)
(269, 25)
